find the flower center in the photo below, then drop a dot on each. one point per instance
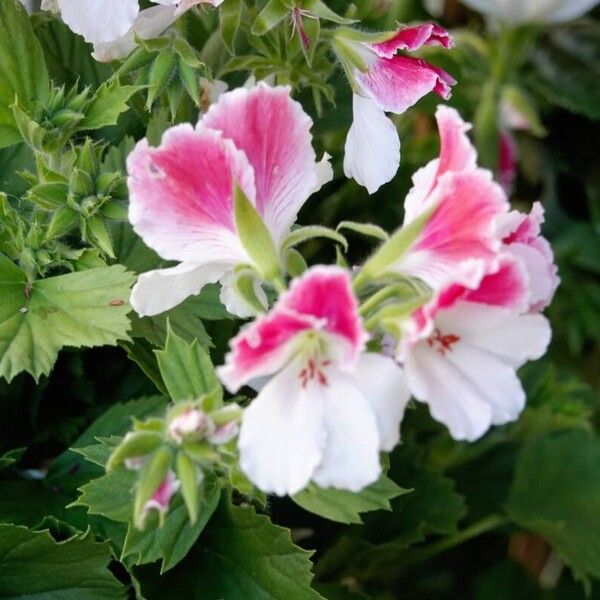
(314, 371)
(442, 343)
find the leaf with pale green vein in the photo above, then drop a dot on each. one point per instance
(35, 566)
(22, 68)
(240, 555)
(556, 493)
(83, 309)
(344, 506)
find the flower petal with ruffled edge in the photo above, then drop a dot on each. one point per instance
(466, 370)
(411, 39)
(181, 200)
(162, 289)
(274, 133)
(522, 237)
(457, 153)
(99, 21)
(372, 151)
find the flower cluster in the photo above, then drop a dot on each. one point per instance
(445, 311)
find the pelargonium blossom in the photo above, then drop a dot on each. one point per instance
(328, 407)
(385, 81)
(464, 347)
(181, 193)
(112, 25)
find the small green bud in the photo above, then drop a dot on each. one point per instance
(134, 444)
(189, 477)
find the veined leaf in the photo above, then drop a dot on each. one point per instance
(22, 68)
(35, 566)
(83, 309)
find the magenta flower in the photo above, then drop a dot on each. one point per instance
(181, 193)
(385, 81)
(328, 407)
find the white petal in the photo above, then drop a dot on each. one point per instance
(160, 290)
(282, 434)
(351, 454)
(372, 152)
(234, 302)
(513, 338)
(451, 398)
(99, 21)
(382, 382)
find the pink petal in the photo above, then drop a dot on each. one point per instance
(413, 38)
(325, 293)
(181, 194)
(162, 496)
(462, 229)
(522, 237)
(274, 132)
(263, 347)
(399, 82)
(322, 301)
(508, 287)
(457, 153)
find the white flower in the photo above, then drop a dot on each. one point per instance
(532, 11)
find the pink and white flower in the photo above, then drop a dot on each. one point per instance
(463, 349)
(522, 237)
(181, 193)
(385, 81)
(460, 205)
(112, 25)
(328, 407)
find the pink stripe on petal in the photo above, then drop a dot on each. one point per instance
(413, 38)
(325, 293)
(399, 82)
(181, 194)
(508, 287)
(274, 132)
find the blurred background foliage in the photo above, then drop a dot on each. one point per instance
(485, 521)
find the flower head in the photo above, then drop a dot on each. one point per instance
(181, 193)
(328, 407)
(386, 81)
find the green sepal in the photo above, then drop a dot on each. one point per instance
(152, 476)
(310, 232)
(321, 10)
(270, 16)
(392, 250)
(295, 264)
(96, 233)
(230, 16)
(255, 236)
(62, 221)
(190, 478)
(161, 72)
(134, 444)
(190, 80)
(366, 229)
(49, 196)
(245, 284)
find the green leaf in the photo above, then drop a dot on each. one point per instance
(109, 495)
(271, 15)
(173, 540)
(83, 309)
(240, 555)
(109, 101)
(345, 507)
(556, 493)
(567, 68)
(186, 369)
(22, 68)
(34, 566)
(230, 15)
(255, 236)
